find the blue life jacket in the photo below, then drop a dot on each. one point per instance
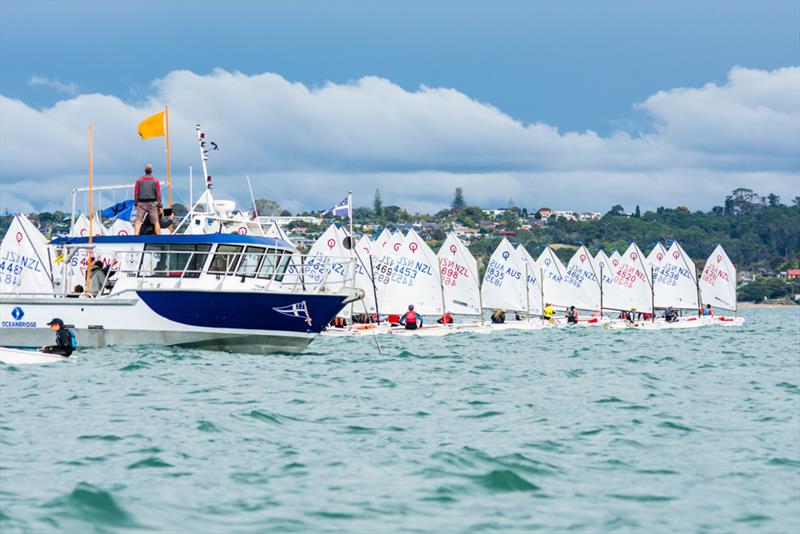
(72, 341)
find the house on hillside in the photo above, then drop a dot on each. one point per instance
(494, 214)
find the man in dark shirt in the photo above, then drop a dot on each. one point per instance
(147, 196)
(64, 339)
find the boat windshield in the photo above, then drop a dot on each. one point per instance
(177, 260)
(250, 261)
(225, 259)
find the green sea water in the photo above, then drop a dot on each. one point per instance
(577, 429)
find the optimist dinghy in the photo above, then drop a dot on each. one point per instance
(24, 357)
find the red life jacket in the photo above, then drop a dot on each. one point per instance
(411, 317)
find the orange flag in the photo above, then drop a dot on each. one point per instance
(152, 126)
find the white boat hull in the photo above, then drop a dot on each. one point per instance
(24, 357)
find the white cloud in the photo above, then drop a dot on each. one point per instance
(305, 146)
(53, 83)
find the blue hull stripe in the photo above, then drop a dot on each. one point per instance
(249, 311)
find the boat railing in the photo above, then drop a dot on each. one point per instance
(273, 269)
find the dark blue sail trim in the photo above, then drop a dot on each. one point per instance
(250, 311)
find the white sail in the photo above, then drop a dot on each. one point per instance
(553, 282)
(630, 287)
(325, 266)
(605, 271)
(382, 241)
(657, 258)
(24, 259)
(615, 260)
(718, 283)
(363, 278)
(120, 228)
(80, 227)
(504, 286)
(582, 281)
(384, 251)
(675, 282)
(415, 278)
(459, 273)
(534, 273)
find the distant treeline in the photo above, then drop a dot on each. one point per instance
(758, 234)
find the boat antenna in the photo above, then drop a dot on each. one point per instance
(252, 197)
(201, 143)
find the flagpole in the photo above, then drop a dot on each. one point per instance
(352, 246)
(169, 169)
(191, 196)
(87, 289)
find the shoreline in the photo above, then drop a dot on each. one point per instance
(752, 305)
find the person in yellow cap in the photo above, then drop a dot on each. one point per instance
(548, 312)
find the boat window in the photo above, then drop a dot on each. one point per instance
(268, 265)
(225, 259)
(250, 260)
(282, 266)
(173, 260)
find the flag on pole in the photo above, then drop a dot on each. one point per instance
(298, 309)
(342, 209)
(152, 126)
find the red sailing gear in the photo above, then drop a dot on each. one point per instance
(147, 190)
(411, 317)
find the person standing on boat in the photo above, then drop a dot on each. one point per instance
(147, 198)
(411, 319)
(65, 339)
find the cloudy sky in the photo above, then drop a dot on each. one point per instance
(573, 106)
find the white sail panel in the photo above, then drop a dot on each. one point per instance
(534, 291)
(615, 260)
(553, 284)
(385, 250)
(582, 281)
(657, 256)
(631, 286)
(504, 286)
(382, 241)
(675, 282)
(80, 227)
(459, 273)
(120, 228)
(325, 265)
(363, 277)
(24, 262)
(415, 278)
(605, 271)
(718, 283)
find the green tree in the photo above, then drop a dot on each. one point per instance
(773, 200)
(377, 204)
(638, 212)
(458, 200)
(266, 207)
(616, 210)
